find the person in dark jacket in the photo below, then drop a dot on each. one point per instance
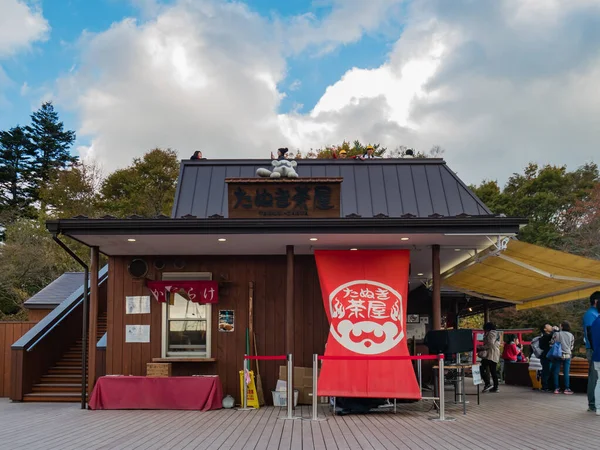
(546, 363)
(281, 152)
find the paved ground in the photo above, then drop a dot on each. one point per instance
(515, 418)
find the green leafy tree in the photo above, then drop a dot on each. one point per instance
(73, 191)
(29, 261)
(474, 322)
(510, 318)
(49, 146)
(146, 188)
(562, 207)
(544, 195)
(582, 226)
(14, 175)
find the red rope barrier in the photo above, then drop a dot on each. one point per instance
(376, 358)
(267, 358)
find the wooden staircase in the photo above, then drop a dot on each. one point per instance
(62, 383)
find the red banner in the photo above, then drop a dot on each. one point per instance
(194, 291)
(365, 293)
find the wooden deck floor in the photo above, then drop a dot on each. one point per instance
(515, 418)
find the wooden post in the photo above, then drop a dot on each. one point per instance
(289, 301)
(486, 312)
(436, 295)
(251, 319)
(93, 321)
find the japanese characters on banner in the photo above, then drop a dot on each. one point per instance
(364, 294)
(194, 291)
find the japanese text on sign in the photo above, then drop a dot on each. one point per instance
(365, 304)
(297, 198)
(272, 199)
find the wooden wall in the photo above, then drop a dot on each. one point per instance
(10, 332)
(35, 315)
(269, 275)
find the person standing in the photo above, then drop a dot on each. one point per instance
(546, 363)
(588, 319)
(567, 342)
(595, 344)
(490, 357)
(370, 153)
(281, 154)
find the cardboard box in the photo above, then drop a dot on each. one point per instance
(158, 369)
(303, 381)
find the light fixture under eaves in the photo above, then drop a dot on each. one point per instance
(457, 249)
(353, 249)
(313, 239)
(222, 239)
(419, 274)
(404, 239)
(130, 240)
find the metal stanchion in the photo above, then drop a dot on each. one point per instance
(441, 393)
(315, 397)
(244, 401)
(419, 374)
(442, 390)
(290, 389)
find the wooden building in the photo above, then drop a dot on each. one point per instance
(255, 238)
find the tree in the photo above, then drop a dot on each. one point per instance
(537, 317)
(582, 226)
(543, 195)
(29, 261)
(73, 191)
(562, 208)
(474, 322)
(147, 188)
(14, 159)
(49, 146)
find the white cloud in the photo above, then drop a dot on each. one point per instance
(295, 85)
(198, 76)
(20, 25)
(497, 83)
(347, 22)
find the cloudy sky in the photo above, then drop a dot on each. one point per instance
(496, 83)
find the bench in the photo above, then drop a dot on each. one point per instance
(579, 368)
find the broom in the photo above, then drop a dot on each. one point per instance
(259, 389)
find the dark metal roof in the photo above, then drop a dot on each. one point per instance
(392, 187)
(57, 291)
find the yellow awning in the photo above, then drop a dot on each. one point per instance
(525, 274)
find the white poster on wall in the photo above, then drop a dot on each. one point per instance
(415, 330)
(137, 333)
(138, 304)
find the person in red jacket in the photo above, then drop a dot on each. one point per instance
(511, 351)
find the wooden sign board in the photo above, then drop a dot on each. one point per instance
(283, 198)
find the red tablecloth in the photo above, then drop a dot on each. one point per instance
(123, 392)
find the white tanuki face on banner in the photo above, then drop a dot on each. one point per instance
(366, 316)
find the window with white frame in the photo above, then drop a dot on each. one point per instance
(186, 325)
